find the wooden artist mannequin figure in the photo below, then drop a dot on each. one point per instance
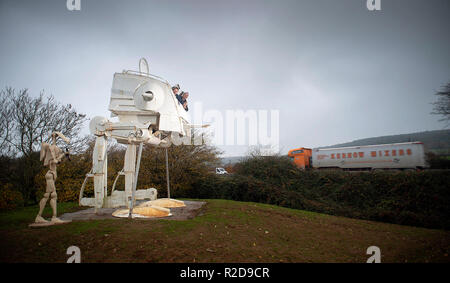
(52, 155)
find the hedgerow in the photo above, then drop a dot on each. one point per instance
(403, 197)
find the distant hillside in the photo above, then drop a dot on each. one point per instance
(435, 141)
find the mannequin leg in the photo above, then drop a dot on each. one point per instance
(53, 199)
(39, 218)
(53, 202)
(48, 190)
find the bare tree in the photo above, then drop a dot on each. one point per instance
(34, 118)
(28, 121)
(442, 105)
(5, 121)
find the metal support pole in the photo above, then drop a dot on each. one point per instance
(167, 174)
(138, 163)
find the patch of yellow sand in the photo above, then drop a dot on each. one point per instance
(164, 202)
(144, 212)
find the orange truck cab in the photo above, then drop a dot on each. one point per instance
(301, 157)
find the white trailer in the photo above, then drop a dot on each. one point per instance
(408, 155)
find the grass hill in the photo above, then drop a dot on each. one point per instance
(437, 142)
(227, 231)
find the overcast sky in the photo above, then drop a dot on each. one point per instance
(335, 71)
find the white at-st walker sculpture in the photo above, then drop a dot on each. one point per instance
(51, 155)
(148, 112)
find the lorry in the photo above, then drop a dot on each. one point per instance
(407, 155)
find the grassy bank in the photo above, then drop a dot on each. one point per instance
(227, 231)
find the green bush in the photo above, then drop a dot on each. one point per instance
(411, 198)
(438, 161)
(10, 199)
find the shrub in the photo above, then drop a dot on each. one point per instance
(438, 161)
(10, 199)
(411, 198)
